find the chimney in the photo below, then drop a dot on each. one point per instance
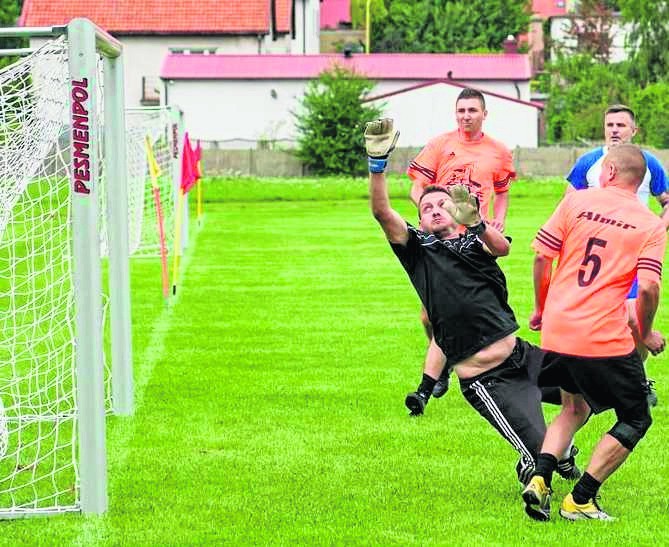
(510, 44)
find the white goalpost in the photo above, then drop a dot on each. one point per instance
(54, 162)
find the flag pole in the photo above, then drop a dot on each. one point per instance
(154, 173)
(368, 17)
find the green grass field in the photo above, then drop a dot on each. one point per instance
(270, 396)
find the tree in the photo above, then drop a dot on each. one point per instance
(651, 105)
(377, 9)
(648, 39)
(331, 120)
(591, 29)
(580, 89)
(444, 26)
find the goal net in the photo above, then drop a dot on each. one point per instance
(150, 136)
(41, 296)
(155, 127)
(37, 368)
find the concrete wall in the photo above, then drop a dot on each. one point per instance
(237, 113)
(530, 162)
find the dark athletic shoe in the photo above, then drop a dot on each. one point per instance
(567, 468)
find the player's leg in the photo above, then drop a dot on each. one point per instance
(540, 371)
(435, 362)
(507, 398)
(620, 386)
(443, 380)
(559, 434)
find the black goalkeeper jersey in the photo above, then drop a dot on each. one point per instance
(463, 290)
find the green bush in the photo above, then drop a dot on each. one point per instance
(651, 105)
(446, 26)
(331, 121)
(579, 91)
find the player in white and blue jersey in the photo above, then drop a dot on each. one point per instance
(619, 128)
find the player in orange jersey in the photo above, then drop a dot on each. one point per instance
(603, 238)
(470, 157)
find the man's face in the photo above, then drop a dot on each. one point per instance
(470, 115)
(619, 128)
(434, 218)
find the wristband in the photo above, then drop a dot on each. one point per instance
(377, 165)
(477, 229)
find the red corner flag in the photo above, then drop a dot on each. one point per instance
(188, 166)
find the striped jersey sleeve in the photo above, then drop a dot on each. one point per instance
(550, 236)
(649, 264)
(506, 172)
(423, 168)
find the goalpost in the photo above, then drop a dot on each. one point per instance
(52, 169)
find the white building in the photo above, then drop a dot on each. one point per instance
(237, 100)
(198, 26)
(617, 33)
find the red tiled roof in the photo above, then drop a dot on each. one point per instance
(549, 8)
(392, 66)
(335, 11)
(161, 16)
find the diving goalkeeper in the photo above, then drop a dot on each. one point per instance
(464, 292)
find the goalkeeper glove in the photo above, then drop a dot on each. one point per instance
(465, 208)
(380, 139)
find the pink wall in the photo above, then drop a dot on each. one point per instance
(334, 11)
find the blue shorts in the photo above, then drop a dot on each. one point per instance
(634, 290)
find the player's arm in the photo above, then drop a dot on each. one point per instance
(659, 186)
(547, 245)
(647, 301)
(464, 208)
(423, 171)
(380, 139)
(495, 242)
(663, 200)
(542, 272)
(415, 192)
(649, 271)
(500, 207)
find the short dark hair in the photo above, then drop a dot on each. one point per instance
(429, 189)
(615, 108)
(471, 93)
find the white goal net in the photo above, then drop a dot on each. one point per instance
(40, 348)
(37, 367)
(155, 126)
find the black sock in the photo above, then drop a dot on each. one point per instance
(426, 386)
(586, 489)
(546, 464)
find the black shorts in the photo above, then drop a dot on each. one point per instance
(508, 397)
(604, 382)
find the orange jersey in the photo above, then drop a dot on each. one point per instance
(602, 237)
(485, 166)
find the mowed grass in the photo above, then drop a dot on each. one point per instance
(270, 396)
